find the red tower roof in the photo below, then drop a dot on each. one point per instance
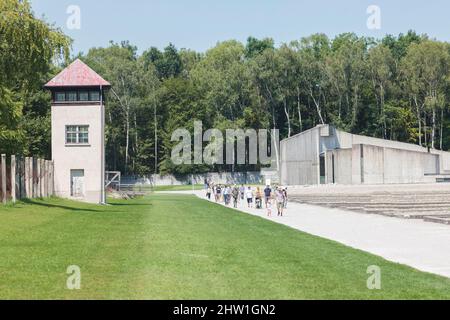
(77, 74)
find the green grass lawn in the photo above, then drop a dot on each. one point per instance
(180, 247)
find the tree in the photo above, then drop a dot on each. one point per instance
(132, 84)
(380, 67)
(10, 113)
(255, 47)
(313, 52)
(168, 63)
(29, 47)
(426, 72)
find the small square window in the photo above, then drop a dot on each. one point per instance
(83, 137)
(84, 96)
(77, 134)
(60, 96)
(72, 96)
(94, 96)
(71, 138)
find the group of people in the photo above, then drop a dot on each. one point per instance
(252, 196)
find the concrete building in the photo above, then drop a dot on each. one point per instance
(325, 155)
(78, 133)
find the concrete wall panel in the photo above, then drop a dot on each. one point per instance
(300, 159)
(373, 164)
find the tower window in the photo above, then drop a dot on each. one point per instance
(72, 96)
(94, 95)
(60, 96)
(77, 134)
(84, 96)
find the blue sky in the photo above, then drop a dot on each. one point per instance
(200, 24)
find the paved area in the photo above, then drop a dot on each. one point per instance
(417, 243)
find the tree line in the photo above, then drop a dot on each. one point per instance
(392, 88)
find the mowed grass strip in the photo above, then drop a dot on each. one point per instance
(173, 188)
(181, 247)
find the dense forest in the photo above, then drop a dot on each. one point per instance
(395, 88)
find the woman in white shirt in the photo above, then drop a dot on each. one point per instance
(249, 196)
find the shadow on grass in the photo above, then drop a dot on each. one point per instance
(50, 205)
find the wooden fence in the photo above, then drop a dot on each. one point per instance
(25, 178)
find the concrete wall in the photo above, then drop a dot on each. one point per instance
(299, 159)
(340, 168)
(378, 165)
(373, 164)
(216, 177)
(74, 157)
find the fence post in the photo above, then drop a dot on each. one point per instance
(46, 179)
(30, 179)
(38, 176)
(43, 193)
(25, 174)
(52, 177)
(13, 179)
(31, 164)
(3, 157)
(27, 177)
(41, 178)
(43, 173)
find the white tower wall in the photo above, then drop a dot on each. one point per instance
(88, 157)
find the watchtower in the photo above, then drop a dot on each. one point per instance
(78, 133)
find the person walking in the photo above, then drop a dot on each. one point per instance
(285, 198)
(258, 198)
(242, 192)
(208, 192)
(235, 195)
(249, 196)
(279, 198)
(218, 193)
(267, 194)
(226, 194)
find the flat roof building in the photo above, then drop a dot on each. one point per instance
(326, 155)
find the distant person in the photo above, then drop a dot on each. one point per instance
(279, 198)
(235, 195)
(242, 192)
(285, 198)
(226, 195)
(249, 196)
(258, 198)
(267, 194)
(208, 192)
(218, 193)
